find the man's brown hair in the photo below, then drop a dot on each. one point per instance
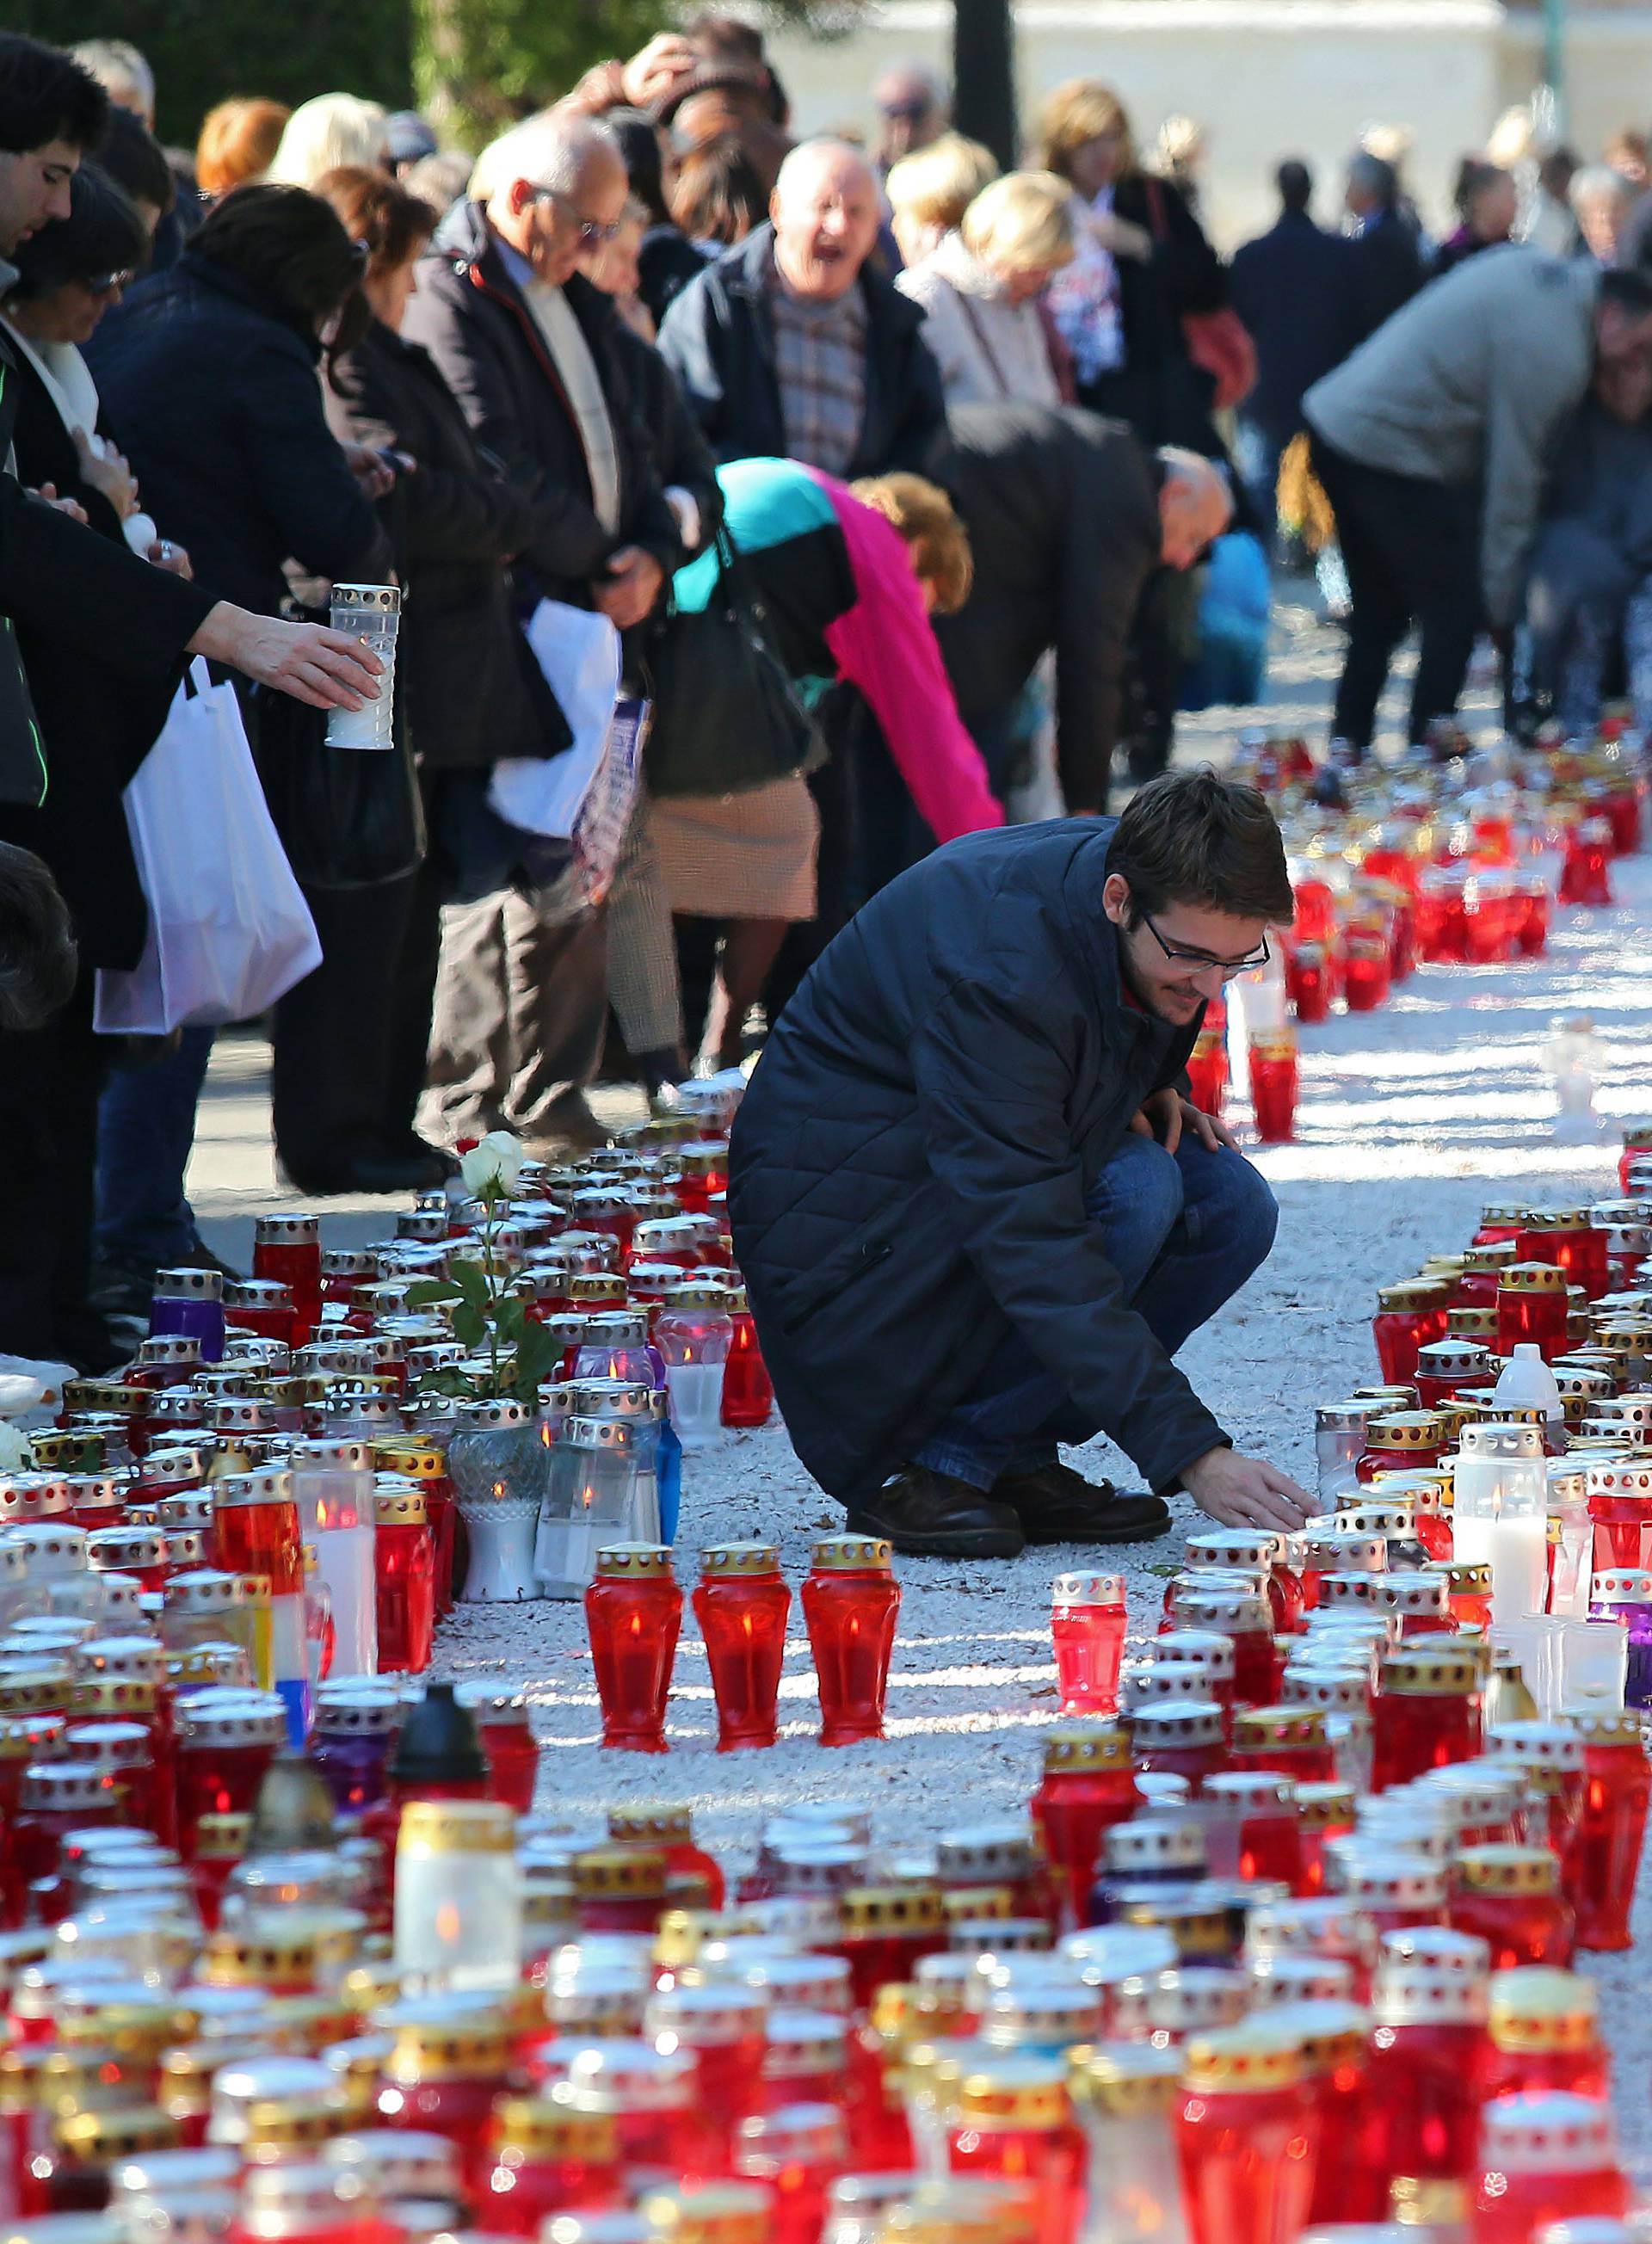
(1195, 838)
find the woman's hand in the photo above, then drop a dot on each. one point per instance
(631, 588)
(1167, 1114)
(312, 662)
(372, 471)
(172, 558)
(109, 473)
(1120, 236)
(47, 494)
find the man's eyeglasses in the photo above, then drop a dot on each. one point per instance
(1200, 960)
(107, 284)
(592, 232)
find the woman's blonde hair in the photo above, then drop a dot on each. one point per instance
(922, 514)
(325, 134)
(1083, 110)
(1022, 223)
(938, 185)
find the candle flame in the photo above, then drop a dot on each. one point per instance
(448, 1925)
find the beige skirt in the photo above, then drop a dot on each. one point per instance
(750, 855)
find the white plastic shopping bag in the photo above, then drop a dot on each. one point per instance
(578, 650)
(229, 930)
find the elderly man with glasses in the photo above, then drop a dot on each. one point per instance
(976, 1211)
(533, 354)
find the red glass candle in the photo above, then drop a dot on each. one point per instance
(1011, 2121)
(1544, 2160)
(57, 1797)
(748, 1392)
(1287, 1740)
(1086, 1788)
(721, 2029)
(1531, 1306)
(1400, 1442)
(1427, 2057)
(1260, 1553)
(1468, 1592)
(1309, 981)
(1179, 1737)
(1252, 1830)
(1202, 1651)
(1616, 1781)
(546, 2159)
(1350, 2172)
(507, 1740)
(288, 1249)
(1510, 1896)
(1247, 2137)
(424, 1462)
(671, 1831)
(1208, 1064)
(226, 1740)
(1367, 970)
(1637, 1146)
(1551, 1754)
(442, 2076)
(1245, 1618)
(404, 1569)
(634, 1614)
(1088, 1625)
(1586, 877)
(1543, 2034)
(885, 1932)
(1427, 1712)
(1620, 1498)
(742, 1604)
(1397, 1890)
(852, 1601)
(1273, 1087)
(1566, 1238)
(795, 2152)
(257, 1529)
(1408, 1315)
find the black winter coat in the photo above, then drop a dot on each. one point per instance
(1384, 270)
(471, 316)
(909, 1165)
(682, 454)
(471, 692)
(1062, 512)
(719, 340)
(99, 699)
(1289, 287)
(216, 396)
(1159, 390)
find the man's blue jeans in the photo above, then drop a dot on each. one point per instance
(145, 1130)
(1183, 1231)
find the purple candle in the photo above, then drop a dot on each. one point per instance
(190, 1303)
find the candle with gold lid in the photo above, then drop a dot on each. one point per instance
(1248, 2136)
(742, 1603)
(851, 1602)
(633, 1613)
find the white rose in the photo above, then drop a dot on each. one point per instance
(15, 1455)
(493, 1167)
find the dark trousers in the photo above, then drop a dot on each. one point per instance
(1411, 551)
(335, 1031)
(49, 1079)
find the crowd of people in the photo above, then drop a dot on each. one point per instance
(941, 445)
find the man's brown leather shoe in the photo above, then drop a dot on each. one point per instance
(930, 1515)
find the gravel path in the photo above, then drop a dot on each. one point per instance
(1414, 1115)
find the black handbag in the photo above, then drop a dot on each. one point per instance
(725, 718)
(349, 818)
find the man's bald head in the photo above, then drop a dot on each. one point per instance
(553, 186)
(1195, 505)
(825, 212)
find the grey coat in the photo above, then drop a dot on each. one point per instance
(1473, 383)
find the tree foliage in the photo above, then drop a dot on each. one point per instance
(203, 50)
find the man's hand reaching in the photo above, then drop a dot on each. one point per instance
(1167, 1114)
(1244, 1492)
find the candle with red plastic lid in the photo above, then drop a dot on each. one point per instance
(742, 1603)
(851, 1602)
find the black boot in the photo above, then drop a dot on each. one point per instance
(1055, 1504)
(930, 1515)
